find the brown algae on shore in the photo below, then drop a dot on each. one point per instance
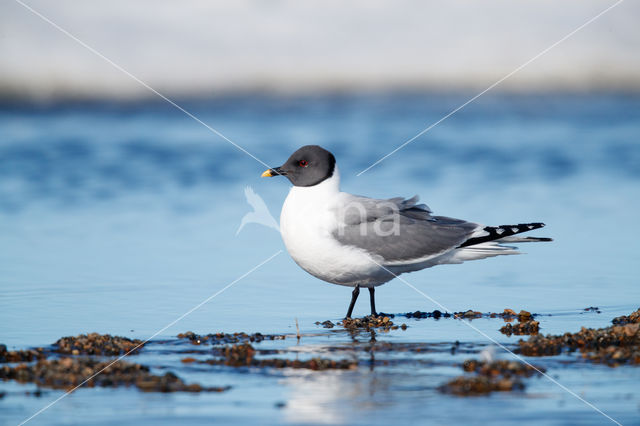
(613, 345)
(526, 325)
(69, 372)
(494, 376)
(529, 327)
(469, 314)
(244, 355)
(26, 355)
(97, 344)
(236, 350)
(632, 318)
(224, 338)
(326, 324)
(369, 322)
(508, 315)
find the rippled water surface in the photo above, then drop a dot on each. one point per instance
(121, 217)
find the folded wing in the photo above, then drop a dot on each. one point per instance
(399, 231)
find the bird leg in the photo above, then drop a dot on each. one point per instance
(372, 298)
(354, 297)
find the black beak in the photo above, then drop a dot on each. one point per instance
(274, 172)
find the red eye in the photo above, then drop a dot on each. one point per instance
(303, 163)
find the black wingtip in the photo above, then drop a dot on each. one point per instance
(502, 231)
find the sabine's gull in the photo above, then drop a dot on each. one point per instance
(358, 242)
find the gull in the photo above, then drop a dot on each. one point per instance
(357, 241)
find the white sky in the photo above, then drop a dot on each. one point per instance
(203, 46)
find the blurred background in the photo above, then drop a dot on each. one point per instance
(207, 48)
(118, 212)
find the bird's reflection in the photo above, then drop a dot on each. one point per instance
(331, 397)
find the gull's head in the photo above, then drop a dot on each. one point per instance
(308, 166)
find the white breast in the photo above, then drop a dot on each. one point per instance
(307, 222)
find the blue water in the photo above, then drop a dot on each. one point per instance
(120, 217)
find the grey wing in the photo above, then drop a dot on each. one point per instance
(398, 230)
(356, 210)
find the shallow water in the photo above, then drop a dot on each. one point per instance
(119, 218)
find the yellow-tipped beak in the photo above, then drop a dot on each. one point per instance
(267, 173)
